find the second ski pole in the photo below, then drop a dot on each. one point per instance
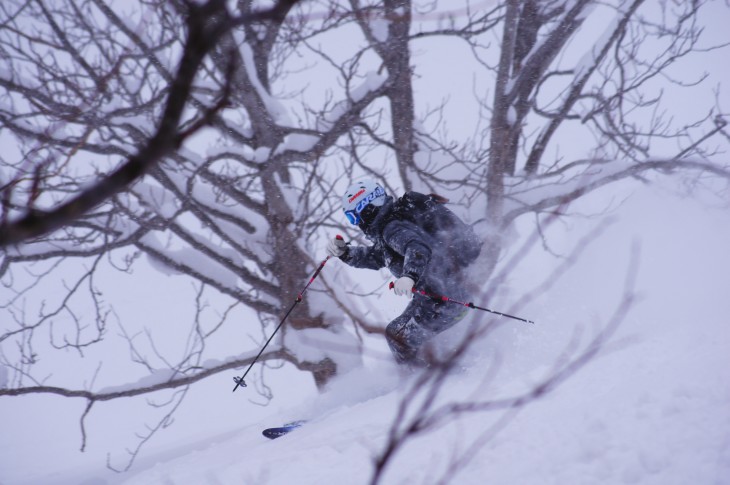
(466, 304)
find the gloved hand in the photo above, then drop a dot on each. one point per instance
(336, 247)
(403, 286)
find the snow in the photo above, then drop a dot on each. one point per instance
(218, 150)
(156, 198)
(316, 344)
(588, 60)
(511, 115)
(379, 28)
(299, 142)
(38, 248)
(273, 106)
(640, 416)
(372, 82)
(525, 194)
(189, 258)
(652, 409)
(155, 377)
(261, 154)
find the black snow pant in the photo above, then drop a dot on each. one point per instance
(423, 318)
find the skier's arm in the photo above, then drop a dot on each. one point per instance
(363, 257)
(412, 242)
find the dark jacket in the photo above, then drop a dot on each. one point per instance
(406, 250)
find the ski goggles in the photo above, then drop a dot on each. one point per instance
(353, 215)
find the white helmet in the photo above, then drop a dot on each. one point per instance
(360, 195)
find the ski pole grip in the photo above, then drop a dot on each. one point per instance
(391, 285)
(340, 238)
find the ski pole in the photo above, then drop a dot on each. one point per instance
(466, 304)
(240, 380)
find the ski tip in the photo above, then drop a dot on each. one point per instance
(273, 433)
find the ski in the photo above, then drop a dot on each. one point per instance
(273, 433)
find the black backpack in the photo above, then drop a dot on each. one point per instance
(461, 244)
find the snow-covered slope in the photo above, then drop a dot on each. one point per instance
(653, 414)
(654, 408)
(648, 415)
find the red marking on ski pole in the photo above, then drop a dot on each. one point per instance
(466, 304)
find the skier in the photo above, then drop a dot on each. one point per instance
(424, 245)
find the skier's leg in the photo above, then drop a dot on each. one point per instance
(405, 336)
(442, 316)
(422, 319)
